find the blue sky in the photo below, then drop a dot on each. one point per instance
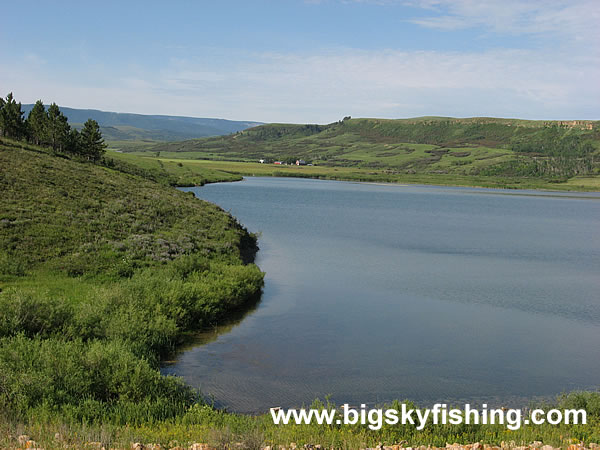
(307, 60)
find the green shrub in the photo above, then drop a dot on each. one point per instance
(32, 315)
(80, 376)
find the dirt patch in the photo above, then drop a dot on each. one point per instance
(438, 152)
(481, 158)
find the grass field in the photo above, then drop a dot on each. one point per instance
(583, 183)
(399, 156)
(174, 172)
(239, 169)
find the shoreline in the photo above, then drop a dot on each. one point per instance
(568, 193)
(190, 171)
(245, 169)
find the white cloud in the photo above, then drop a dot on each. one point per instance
(565, 19)
(558, 79)
(325, 86)
(570, 19)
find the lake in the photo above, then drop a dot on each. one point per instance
(382, 292)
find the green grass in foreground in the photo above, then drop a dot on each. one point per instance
(102, 273)
(203, 424)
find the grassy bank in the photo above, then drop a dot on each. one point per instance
(174, 173)
(237, 168)
(203, 424)
(101, 274)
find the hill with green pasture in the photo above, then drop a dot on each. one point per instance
(426, 145)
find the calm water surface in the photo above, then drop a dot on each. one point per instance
(375, 292)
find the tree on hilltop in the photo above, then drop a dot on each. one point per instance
(90, 141)
(37, 123)
(73, 142)
(50, 128)
(58, 127)
(12, 124)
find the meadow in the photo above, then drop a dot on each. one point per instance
(238, 169)
(171, 172)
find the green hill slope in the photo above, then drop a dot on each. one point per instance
(102, 273)
(56, 211)
(475, 146)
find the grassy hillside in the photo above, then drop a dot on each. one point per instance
(127, 127)
(56, 210)
(431, 145)
(102, 273)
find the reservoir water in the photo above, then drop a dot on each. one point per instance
(382, 292)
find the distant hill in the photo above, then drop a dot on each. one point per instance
(136, 127)
(479, 145)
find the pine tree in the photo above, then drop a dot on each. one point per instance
(37, 123)
(73, 142)
(11, 118)
(91, 142)
(58, 127)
